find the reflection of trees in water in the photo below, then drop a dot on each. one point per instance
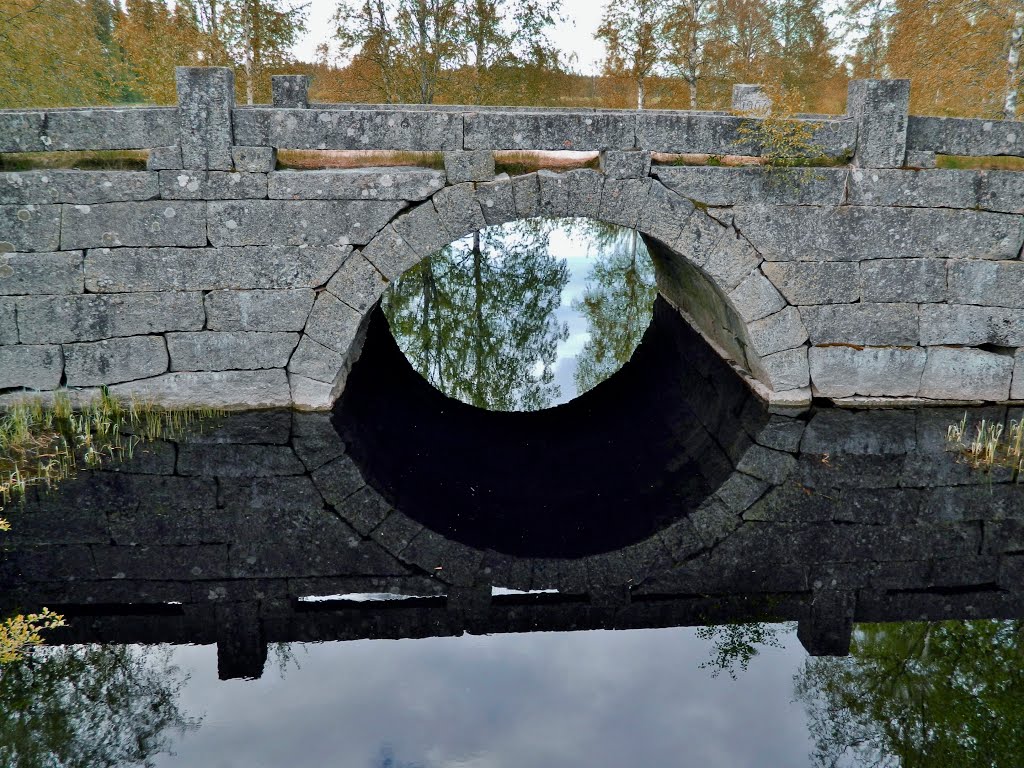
(617, 302)
(90, 707)
(477, 320)
(920, 694)
(734, 646)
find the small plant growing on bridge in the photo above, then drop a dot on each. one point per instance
(785, 141)
(990, 445)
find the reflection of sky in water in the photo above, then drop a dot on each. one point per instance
(594, 699)
(578, 254)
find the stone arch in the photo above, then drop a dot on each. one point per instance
(705, 267)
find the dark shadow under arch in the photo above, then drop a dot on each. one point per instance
(606, 470)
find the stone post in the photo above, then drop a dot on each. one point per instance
(881, 109)
(829, 628)
(206, 96)
(291, 91)
(748, 97)
(241, 646)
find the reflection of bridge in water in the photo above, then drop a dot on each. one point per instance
(701, 508)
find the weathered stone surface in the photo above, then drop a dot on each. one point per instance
(756, 297)
(497, 200)
(730, 260)
(1001, 191)
(740, 491)
(957, 136)
(871, 371)
(421, 229)
(785, 370)
(586, 187)
(412, 184)
(152, 223)
(1017, 392)
(783, 330)
(164, 158)
(358, 283)
(469, 166)
(855, 233)
(254, 159)
(554, 194)
(391, 254)
(206, 96)
(903, 280)
(964, 324)
(216, 389)
(286, 222)
(624, 200)
(880, 108)
(666, 215)
(862, 324)
(751, 97)
(122, 270)
(291, 91)
(781, 433)
(81, 187)
(966, 374)
(333, 323)
(30, 227)
(459, 211)
(74, 129)
(310, 395)
(339, 128)
(916, 189)
(68, 319)
(8, 324)
(284, 310)
(767, 464)
(617, 164)
(526, 191)
(112, 361)
(713, 185)
(29, 366)
(919, 159)
(23, 274)
(234, 351)
(987, 283)
(815, 282)
(314, 361)
(548, 131)
(212, 185)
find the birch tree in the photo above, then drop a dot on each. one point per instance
(636, 37)
(259, 35)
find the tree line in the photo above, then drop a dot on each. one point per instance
(962, 55)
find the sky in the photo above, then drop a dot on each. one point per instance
(575, 37)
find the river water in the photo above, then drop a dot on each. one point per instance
(544, 526)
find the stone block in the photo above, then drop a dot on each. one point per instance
(69, 319)
(314, 361)
(843, 371)
(153, 223)
(81, 187)
(881, 109)
(122, 270)
(756, 297)
(916, 189)
(224, 460)
(254, 159)
(730, 258)
(554, 194)
(618, 164)
(987, 283)
(29, 227)
(421, 230)
(164, 158)
(721, 186)
(815, 282)
(740, 491)
(919, 159)
(766, 464)
(292, 222)
(549, 131)
(526, 191)
(213, 389)
(1016, 393)
(862, 324)
(412, 184)
(966, 374)
(231, 351)
(212, 185)
(283, 310)
(23, 274)
(30, 366)
(586, 187)
(391, 254)
(459, 211)
(426, 130)
(903, 280)
(828, 631)
(1001, 191)
(333, 323)
(624, 200)
(781, 433)
(784, 371)
(855, 233)
(309, 394)
(8, 322)
(469, 166)
(751, 97)
(971, 325)
(778, 332)
(113, 361)
(206, 97)
(665, 216)
(358, 283)
(497, 200)
(957, 136)
(290, 91)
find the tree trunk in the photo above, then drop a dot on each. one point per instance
(426, 97)
(640, 93)
(478, 342)
(692, 82)
(1013, 67)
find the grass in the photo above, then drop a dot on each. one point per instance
(989, 445)
(305, 160)
(963, 163)
(516, 163)
(84, 161)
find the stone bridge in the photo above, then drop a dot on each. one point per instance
(212, 278)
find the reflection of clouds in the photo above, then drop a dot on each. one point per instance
(594, 699)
